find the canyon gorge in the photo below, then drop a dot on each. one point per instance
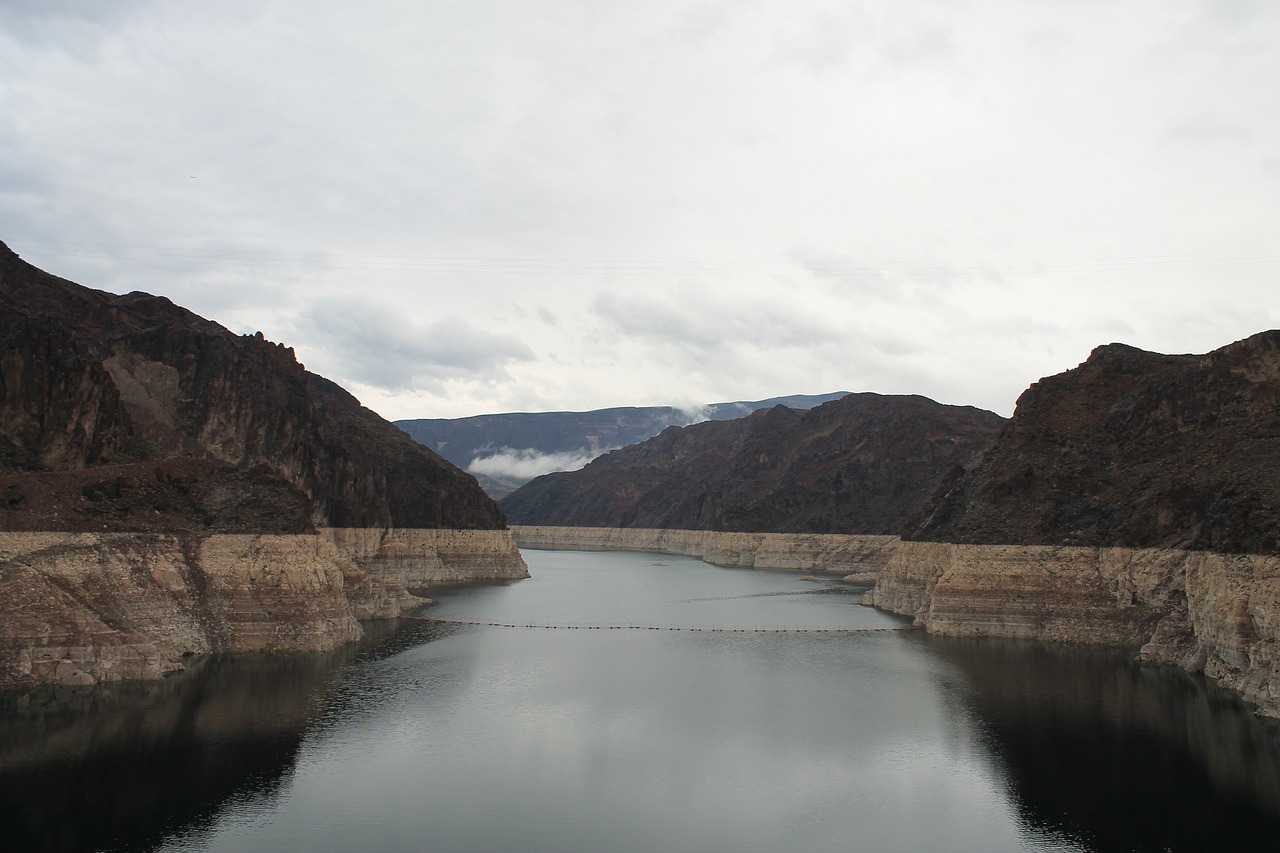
(169, 488)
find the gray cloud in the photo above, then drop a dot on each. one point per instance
(711, 321)
(1203, 128)
(374, 345)
(643, 315)
(826, 40)
(691, 202)
(53, 21)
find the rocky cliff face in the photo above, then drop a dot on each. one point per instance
(1132, 449)
(102, 607)
(1132, 501)
(421, 558)
(80, 608)
(861, 464)
(130, 413)
(1217, 614)
(168, 488)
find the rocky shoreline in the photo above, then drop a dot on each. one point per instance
(169, 488)
(82, 608)
(1210, 613)
(826, 553)
(1206, 612)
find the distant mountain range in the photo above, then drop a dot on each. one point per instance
(865, 463)
(1130, 449)
(505, 451)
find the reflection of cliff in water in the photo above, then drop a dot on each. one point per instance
(1115, 755)
(122, 766)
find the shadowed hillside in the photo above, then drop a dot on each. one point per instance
(130, 413)
(861, 464)
(511, 449)
(1132, 448)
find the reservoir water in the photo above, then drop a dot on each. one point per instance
(448, 737)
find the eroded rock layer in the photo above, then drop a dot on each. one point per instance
(803, 552)
(1134, 500)
(79, 608)
(1217, 614)
(169, 488)
(421, 558)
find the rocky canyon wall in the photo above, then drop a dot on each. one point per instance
(1212, 613)
(802, 552)
(420, 558)
(130, 413)
(79, 608)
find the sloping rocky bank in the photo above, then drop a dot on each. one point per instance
(857, 558)
(1211, 613)
(86, 607)
(1134, 500)
(170, 488)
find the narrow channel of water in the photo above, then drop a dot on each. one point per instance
(447, 737)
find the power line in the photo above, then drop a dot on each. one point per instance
(403, 224)
(564, 266)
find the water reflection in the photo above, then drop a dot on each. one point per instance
(1117, 756)
(120, 766)
(483, 739)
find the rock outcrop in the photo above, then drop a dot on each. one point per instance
(169, 488)
(856, 557)
(863, 464)
(422, 558)
(1132, 501)
(1217, 614)
(81, 608)
(1131, 449)
(191, 419)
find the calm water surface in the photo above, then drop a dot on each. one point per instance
(443, 738)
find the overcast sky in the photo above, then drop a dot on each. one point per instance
(455, 208)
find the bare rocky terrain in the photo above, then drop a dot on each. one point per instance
(1131, 501)
(577, 434)
(169, 488)
(861, 464)
(1131, 449)
(129, 413)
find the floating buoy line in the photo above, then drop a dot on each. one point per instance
(759, 629)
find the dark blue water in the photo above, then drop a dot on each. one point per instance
(460, 738)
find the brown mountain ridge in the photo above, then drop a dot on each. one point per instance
(1131, 449)
(129, 413)
(861, 464)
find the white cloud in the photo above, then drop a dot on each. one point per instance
(527, 463)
